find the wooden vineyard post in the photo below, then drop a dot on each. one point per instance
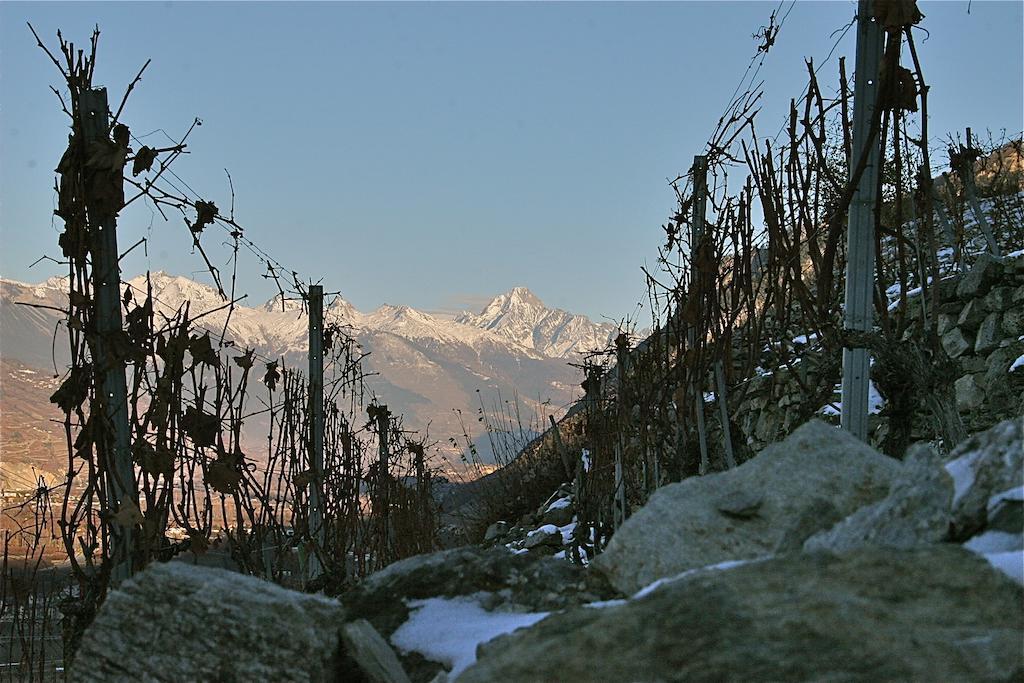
(316, 424)
(560, 446)
(723, 407)
(383, 415)
(383, 418)
(700, 199)
(115, 452)
(966, 170)
(860, 267)
(622, 411)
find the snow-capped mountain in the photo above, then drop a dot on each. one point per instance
(520, 317)
(427, 368)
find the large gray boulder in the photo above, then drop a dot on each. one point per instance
(935, 613)
(984, 466)
(916, 511)
(749, 511)
(178, 622)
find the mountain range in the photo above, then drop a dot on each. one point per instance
(428, 368)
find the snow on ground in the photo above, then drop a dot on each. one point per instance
(545, 529)
(994, 542)
(559, 504)
(655, 585)
(1010, 494)
(721, 566)
(875, 402)
(1010, 563)
(448, 630)
(1004, 551)
(962, 471)
(1019, 363)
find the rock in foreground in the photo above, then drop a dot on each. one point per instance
(935, 613)
(177, 622)
(771, 501)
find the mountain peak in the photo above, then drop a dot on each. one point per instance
(521, 317)
(517, 297)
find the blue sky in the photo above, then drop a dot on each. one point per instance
(438, 154)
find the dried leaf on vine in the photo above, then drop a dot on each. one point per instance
(154, 461)
(121, 347)
(205, 213)
(374, 411)
(122, 136)
(84, 440)
(144, 159)
(902, 94)
(71, 244)
(273, 376)
(244, 361)
(106, 155)
(172, 349)
(224, 475)
(66, 162)
(303, 479)
(78, 299)
(137, 321)
(201, 427)
(159, 407)
(893, 14)
(74, 390)
(202, 351)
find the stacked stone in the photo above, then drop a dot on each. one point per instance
(548, 531)
(983, 329)
(981, 326)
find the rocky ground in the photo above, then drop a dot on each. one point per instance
(818, 559)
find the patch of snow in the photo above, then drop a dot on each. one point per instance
(1014, 254)
(995, 542)
(1009, 494)
(875, 400)
(1010, 563)
(448, 630)
(586, 460)
(560, 555)
(709, 397)
(962, 471)
(567, 532)
(721, 566)
(1019, 363)
(606, 603)
(875, 403)
(546, 529)
(559, 504)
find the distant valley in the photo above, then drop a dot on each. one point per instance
(424, 367)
